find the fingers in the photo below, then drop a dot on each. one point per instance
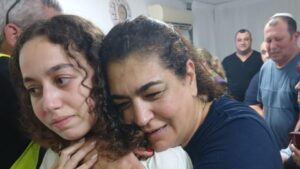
(143, 152)
(71, 156)
(79, 155)
(67, 152)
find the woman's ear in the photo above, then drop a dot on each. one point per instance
(191, 77)
(12, 33)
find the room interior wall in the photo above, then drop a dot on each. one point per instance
(227, 18)
(97, 11)
(214, 25)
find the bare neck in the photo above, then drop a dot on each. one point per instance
(202, 111)
(5, 48)
(244, 56)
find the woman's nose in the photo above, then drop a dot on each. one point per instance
(142, 113)
(51, 99)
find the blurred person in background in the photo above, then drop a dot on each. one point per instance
(242, 65)
(15, 15)
(213, 66)
(251, 93)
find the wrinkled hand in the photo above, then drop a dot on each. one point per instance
(295, 154)
(71, 156)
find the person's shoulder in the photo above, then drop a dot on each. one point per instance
(254, 80)
(269, 63)
(228, 58)
(4, 61)
(256, 53)
(234, 112)
(251, 92)
(223, 103)
(232, 108)
(224, 100)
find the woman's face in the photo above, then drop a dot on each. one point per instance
(151, 96)
(57, 88)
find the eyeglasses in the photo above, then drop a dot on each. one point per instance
(7, 13)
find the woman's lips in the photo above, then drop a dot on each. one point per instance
(156, 134)
(61, 122)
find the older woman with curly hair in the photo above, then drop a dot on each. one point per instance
(155, 79)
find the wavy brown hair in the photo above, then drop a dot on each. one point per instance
(73, 33)
(148, 36)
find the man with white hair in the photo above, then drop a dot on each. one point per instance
(279, 75)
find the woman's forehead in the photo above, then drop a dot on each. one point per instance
(136, 65)
(137, 58)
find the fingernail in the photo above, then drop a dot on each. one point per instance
(150, 150)
(94, 157)
(82, 140)
(93, 143)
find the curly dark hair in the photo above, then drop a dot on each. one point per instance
(73, 33)
(147, 36)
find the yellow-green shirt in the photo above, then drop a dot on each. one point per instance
(29, 158)
(4, 55)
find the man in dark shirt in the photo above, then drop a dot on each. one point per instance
(252, 90)
(242, 65)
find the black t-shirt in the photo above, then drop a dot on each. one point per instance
(252, 90)
(240, 73)
(13, 142)
(233, 136)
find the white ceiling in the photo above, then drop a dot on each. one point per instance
(212, 2)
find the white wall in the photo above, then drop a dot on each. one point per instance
(204, 26)
(214, 26)
(178, 4)
(226, 19)
(97, 11)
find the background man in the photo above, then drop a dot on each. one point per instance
(14, 17)
(279, 75)
(251, 92)
(242, 65)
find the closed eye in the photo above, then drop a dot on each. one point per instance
(122, 106)
(278, 39)
(154, 95)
